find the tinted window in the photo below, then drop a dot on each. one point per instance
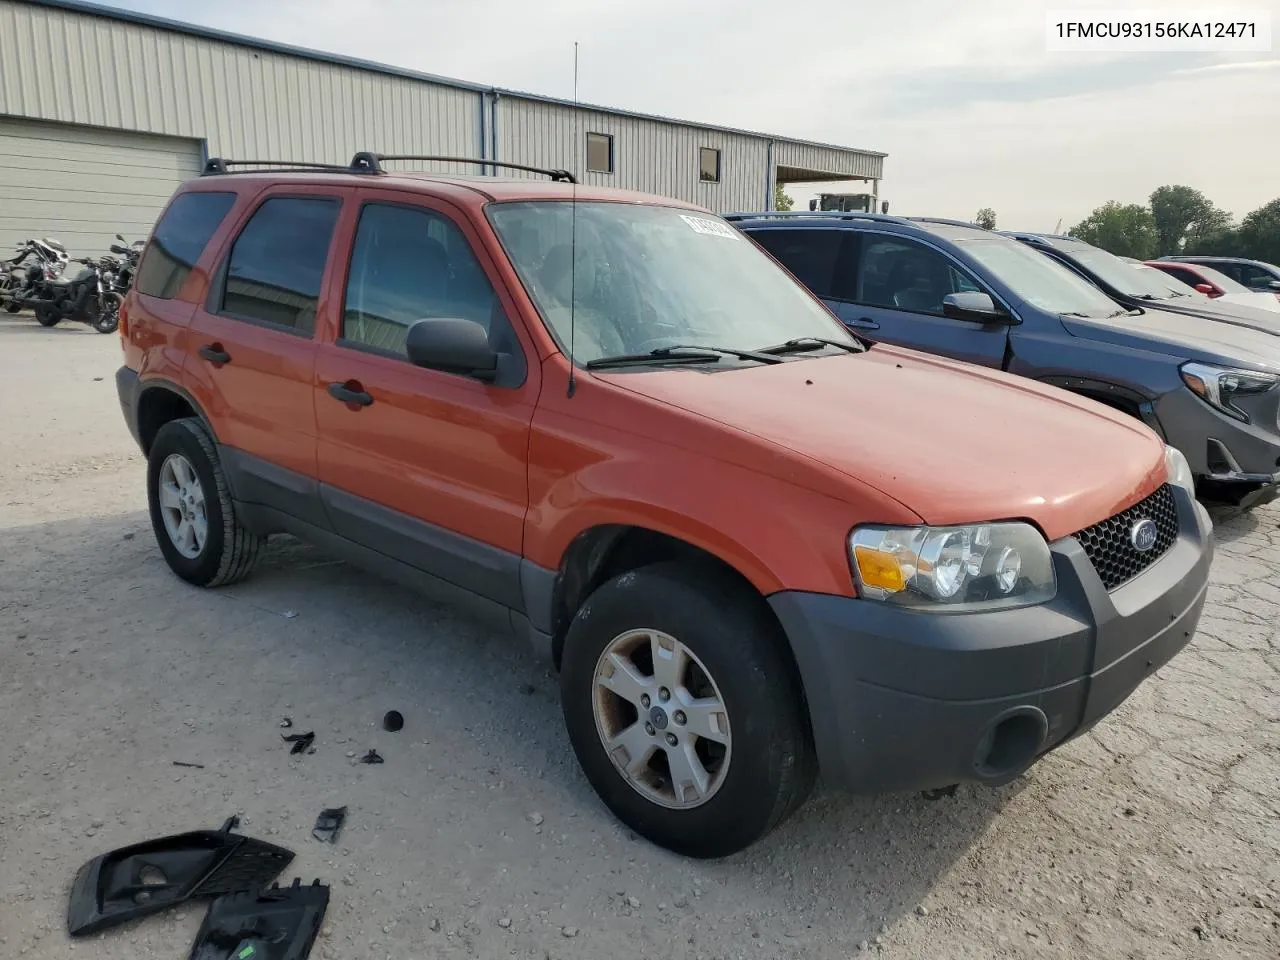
(600, 153)
(409, 264)
(277, 262)
(811, 255)
(179, 239)
(904, 275)
(708, 165)
(1252, 276)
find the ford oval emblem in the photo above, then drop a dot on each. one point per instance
(1143, 534)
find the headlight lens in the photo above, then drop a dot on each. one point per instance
(1179, 470)
(983, 566)
(1221, 387)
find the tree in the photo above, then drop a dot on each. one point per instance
(1183, 213)
(986, 218)
(1125, 229)
(1259, 234)
(781, 200)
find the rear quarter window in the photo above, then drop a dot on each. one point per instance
(178, 240)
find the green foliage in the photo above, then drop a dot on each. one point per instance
(1259, 234)
(986, 218)
(1127, 230)
(1183, 214)
(781, 200)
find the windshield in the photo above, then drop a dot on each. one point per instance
(1118, 274)
(645, 277)
(1038, 280)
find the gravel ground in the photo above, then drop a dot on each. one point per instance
(1158, 835)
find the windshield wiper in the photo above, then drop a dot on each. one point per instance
(1135, 312)
(679, 353)
(801, 344)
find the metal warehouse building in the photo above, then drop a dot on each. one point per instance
(103, 112)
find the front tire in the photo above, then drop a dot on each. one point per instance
(108, 320)
(46, 317)
(192, 513)
(683, 709)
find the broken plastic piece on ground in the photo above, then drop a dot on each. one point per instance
(393, 721)
(147, 877)
(372, 757)
(940, 792)
(280, 923)
(286, 723)
(301, 741)
(329, 823)
(183, 763)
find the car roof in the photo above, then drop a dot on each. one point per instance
(465, 190)
(838, 220)
(1198, 259)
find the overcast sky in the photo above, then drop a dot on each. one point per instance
(963, 97)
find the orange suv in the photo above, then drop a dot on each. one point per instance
(755, 546)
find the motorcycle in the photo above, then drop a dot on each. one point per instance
(33, 262)
(117, 278)
(84, 299)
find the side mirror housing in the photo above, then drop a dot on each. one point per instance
(1274, 285)
(975, 307)
(453, 346)
(1206, 288)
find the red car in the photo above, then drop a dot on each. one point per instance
(1215, 284)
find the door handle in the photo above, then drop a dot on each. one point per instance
(214, 353)
(863, 323)
(350, 392)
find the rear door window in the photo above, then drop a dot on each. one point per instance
(178, 241)
(1254, 277)
(277, 263)
(811, 255)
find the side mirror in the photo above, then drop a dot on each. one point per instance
(121, 239)
(452, 345)
(813, 204)
(1274, 285)
(977, 307)
(1206, 288)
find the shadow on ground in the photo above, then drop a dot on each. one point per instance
(118, 669)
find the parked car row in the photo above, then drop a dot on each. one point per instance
(1204, 375)
(757, 543)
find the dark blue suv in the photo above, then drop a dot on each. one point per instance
(1211, 389)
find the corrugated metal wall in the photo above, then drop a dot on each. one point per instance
(249, 104)
(649, 155)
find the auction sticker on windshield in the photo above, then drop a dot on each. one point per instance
(712, 228)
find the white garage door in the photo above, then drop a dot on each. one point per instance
(82, 185)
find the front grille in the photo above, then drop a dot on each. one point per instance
(1108, 546)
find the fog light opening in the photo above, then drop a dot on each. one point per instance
(1011, 744)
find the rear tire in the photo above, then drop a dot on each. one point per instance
(192, 513)
(758, 761)
(12, 307)
(46, 317)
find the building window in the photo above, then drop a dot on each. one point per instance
(708, 165)
(600, 153)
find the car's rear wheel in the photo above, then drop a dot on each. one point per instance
(192, 513)
(684, 710)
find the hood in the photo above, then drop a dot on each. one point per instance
(1268, 302)
(952, 442)
(1188, 336)
(1255, 315)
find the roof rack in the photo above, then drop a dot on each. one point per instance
(819, 214)
(945, 222)
(216, 166)
(367, 163)
(372, 163)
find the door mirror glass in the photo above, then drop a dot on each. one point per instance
(453, 346)
(978, 307)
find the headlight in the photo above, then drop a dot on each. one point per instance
(983, 566)
(1220, 387)
(1179, 470)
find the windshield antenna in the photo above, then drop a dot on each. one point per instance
(573, 228)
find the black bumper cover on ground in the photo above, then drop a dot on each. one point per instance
(902, 700)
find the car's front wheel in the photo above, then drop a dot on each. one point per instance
(191, 508)
(684, 710)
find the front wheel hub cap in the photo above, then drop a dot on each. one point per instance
(661, 719)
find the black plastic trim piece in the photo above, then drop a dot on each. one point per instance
(280, 923)
(145, 878)
(255, 480)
